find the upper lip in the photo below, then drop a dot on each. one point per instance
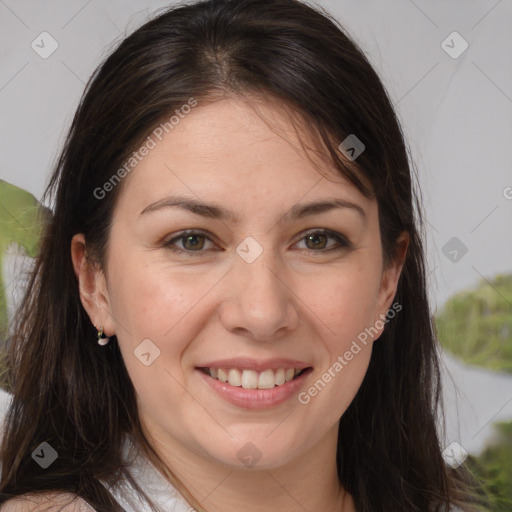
(247, 363)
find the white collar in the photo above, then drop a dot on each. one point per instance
(159, 490)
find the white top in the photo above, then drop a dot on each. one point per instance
(157, 488)
(152, 482)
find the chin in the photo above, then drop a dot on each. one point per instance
(252, 455)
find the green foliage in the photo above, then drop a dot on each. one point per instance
(20, 224)
(494, 470)
(476, 325)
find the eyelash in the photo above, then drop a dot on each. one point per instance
(342, 242)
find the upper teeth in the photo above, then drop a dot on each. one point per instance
(250, 379)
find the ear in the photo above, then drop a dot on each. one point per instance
(389, 281)
(92, 287)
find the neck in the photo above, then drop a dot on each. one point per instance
(309, 482)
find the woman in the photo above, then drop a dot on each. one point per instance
(229, 307)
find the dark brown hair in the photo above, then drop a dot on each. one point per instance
(80, 399)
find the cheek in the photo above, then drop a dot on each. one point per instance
(348, 345)
(346, 310)
(345, 301)
(154, 299)
(165, 305)
(155, 303)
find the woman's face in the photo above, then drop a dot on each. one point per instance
(281, 271)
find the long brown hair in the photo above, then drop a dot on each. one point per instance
(80, 399)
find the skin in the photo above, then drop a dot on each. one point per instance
(295, 300)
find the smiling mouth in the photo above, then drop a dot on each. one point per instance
(250, 379)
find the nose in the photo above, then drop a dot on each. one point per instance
(259, 303)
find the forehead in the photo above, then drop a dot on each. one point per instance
(237, 153)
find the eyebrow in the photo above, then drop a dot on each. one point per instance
(215, 211)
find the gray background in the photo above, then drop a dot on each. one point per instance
(456, 114)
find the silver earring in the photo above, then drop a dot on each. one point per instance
(102, 339)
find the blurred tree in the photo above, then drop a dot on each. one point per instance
(494, 470)
(476, 325)
(20, 223)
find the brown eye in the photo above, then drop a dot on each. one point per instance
(319, 241)
(316, 241)
(188, 243)
(193, 242)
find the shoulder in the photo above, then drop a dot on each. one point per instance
(47, 502)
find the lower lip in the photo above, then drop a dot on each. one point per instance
(256, 398)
